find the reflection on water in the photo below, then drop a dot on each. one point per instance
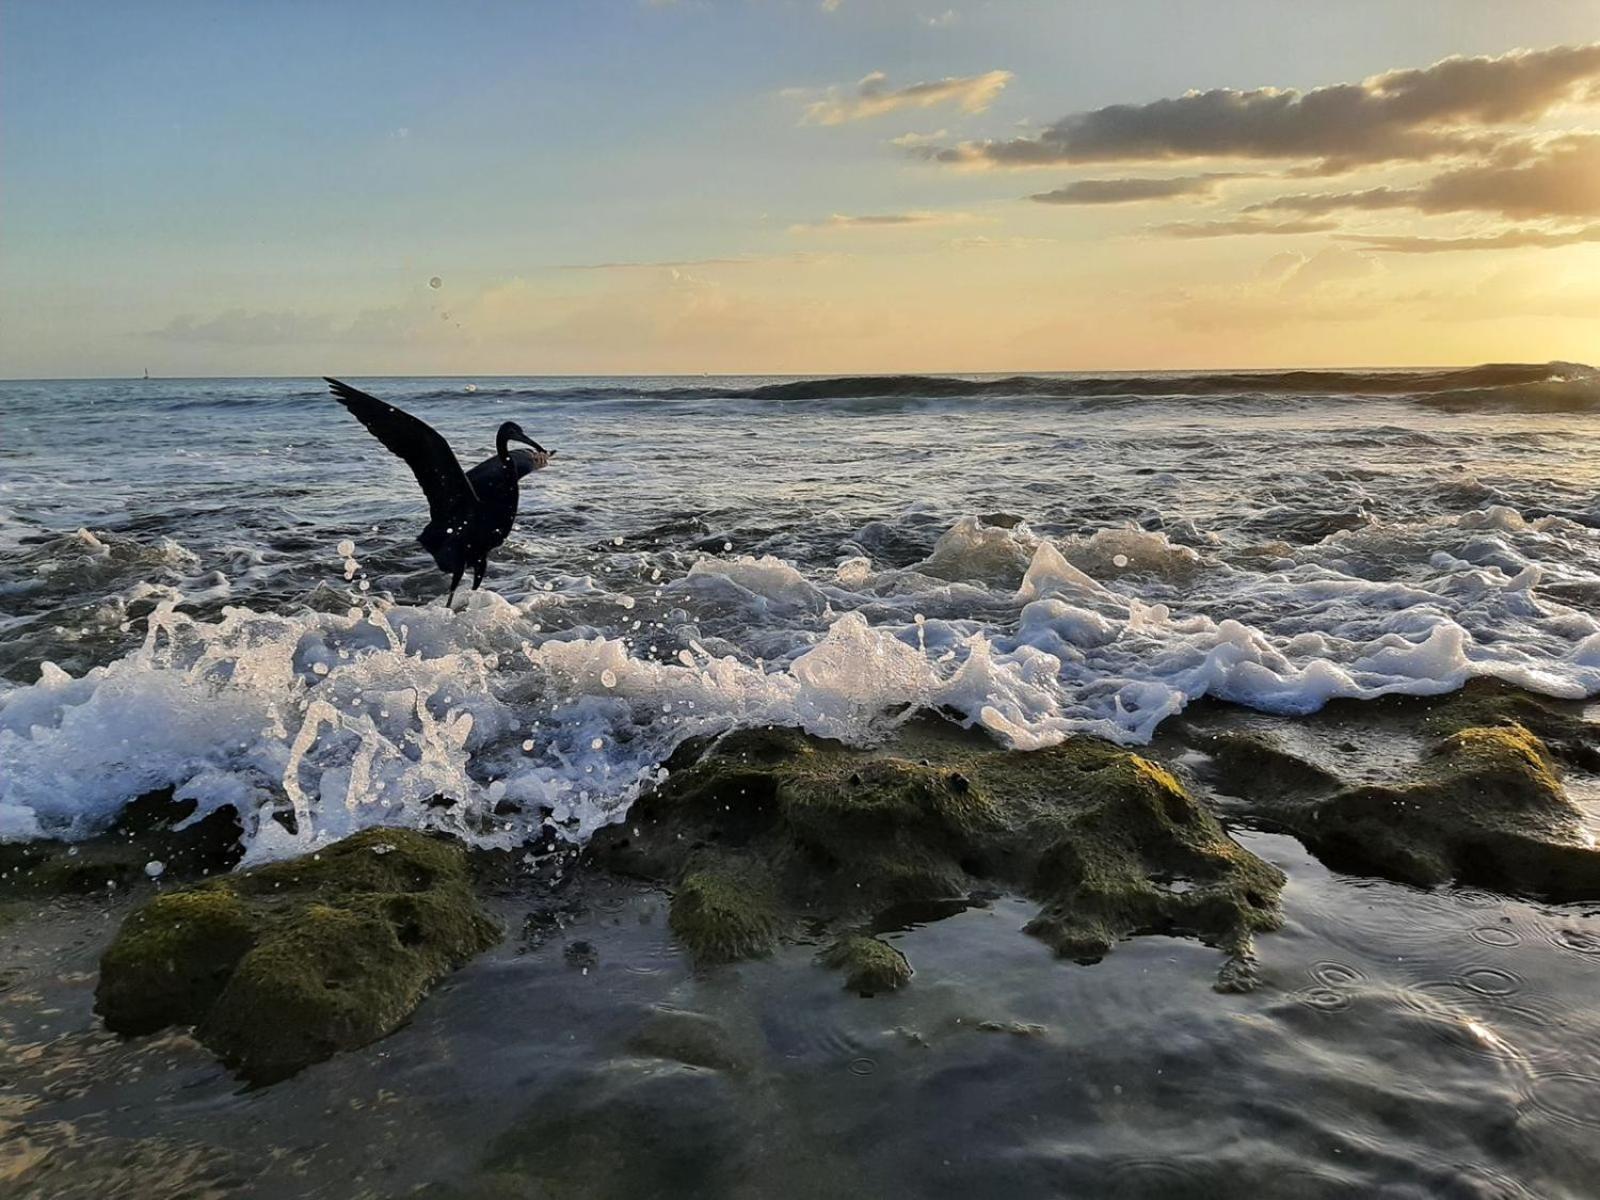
(1371, 1062)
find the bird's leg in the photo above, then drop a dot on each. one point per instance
(455, 582)
(479, 569)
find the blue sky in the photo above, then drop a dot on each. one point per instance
(267, 188)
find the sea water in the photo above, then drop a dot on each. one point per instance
(214, 585)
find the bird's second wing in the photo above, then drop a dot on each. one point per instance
(450, 495)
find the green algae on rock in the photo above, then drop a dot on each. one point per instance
(1485, 807)
(691, 1038)
(723, 912)
(1111, 844)
(154, 834)
(283, 965)
(870, 965)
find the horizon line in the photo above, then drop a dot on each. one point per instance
(931, 374)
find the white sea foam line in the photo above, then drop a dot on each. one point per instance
(359, 719)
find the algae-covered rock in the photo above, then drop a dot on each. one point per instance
(283, 965)
(154, 834)
(691, 1038)
(1137, 853)
(724, 912)
(1484, 806)
(769, 828)
(870, 965)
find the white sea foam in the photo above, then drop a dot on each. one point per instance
(525, 712)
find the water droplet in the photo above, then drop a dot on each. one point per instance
(608, 678)
(436, 283)
(346, 548)
(727, 545)
(598, 744)
(1119, 560)
(528, 746)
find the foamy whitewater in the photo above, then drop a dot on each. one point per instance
(213, 584)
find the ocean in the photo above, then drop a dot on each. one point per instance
(1036, 555)
(213, 586)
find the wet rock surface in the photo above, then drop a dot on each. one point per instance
(283, 965)
(155, 836)
(769, 830)
(1477, 798)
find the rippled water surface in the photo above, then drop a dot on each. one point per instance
(1037, 557)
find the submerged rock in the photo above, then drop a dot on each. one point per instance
(691, 1038)
(283, 965)
(1485, 808)
(1462, 787)
(870, 965)
(769, 828)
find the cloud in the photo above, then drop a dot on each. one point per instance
(1241, 225)
(1555, 177)
(1132, 191)
(872, 97)
(1401, 115)
(244, 327)
(681, 264)
(980, 242)
(884, 221)
(1290, 289)
(1506, 239)
(914, 141)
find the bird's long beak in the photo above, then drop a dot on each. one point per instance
(519, 437)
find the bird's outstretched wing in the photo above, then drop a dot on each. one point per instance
(450, 495)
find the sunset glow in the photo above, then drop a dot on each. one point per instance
(654, 187)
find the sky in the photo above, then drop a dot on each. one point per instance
(222, 187)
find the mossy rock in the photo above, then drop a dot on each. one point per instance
(1486, 807)
(1257, 768)
(691, 1038)
(723, 911)
(283, 965)
(151, 828)
(769, 829)
(870, 965)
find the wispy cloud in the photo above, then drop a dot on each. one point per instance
(1241, 225)
(873, 97)
(1133, 191)
(1506, 239)
(1414, 114)
(844, 221)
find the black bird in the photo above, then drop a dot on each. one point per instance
(469, 512)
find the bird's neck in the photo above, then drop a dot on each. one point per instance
(501, 448)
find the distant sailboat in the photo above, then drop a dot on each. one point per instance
(147, 372)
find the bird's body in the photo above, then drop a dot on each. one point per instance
(470, 512)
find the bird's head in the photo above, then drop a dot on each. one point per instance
(512, 432)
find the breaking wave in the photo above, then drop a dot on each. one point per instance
(497, 719)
